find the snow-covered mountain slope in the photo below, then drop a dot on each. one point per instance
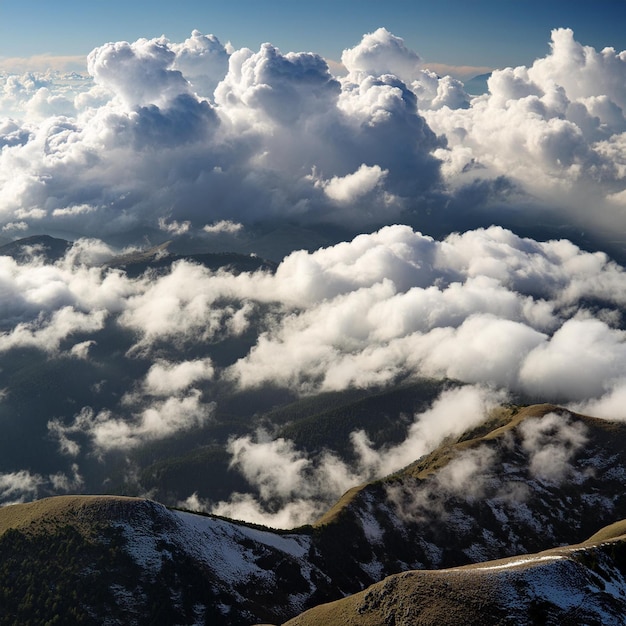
(546, 477)
(202, 569)
(583, 584)
(252, 573)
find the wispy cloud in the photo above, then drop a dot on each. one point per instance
(43, 63)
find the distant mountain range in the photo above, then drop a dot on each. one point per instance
(477, 85)
(158, 257)
(50, 249)
(98, 559)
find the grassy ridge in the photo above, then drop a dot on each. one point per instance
(499, 592)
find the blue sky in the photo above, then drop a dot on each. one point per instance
(456, 32)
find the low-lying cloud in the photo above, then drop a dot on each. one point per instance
(24, 486)
(487, 307)
(293, 487)
(545, 452)
(551, 443)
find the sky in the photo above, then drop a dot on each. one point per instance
(481, 33)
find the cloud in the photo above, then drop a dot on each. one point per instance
(203, 60)
(165, 378)
(15, 487)
(223, 226)
(197, 139)
(138, 73)
(246, 507)
(81, 350)
(47, 334)
(148, 422)
(38, 95)
(59, 432)
(292, 488)
(548, 128)
(460, 72)
(351, 187)
(186, 310)
(63, 483)
(43, 303)
(274, 466)
(610, 405)
(469, 475)
(551, 443)
(381, 53)
(581, 360)
(275, 88)
(484, 307)
(174, 227)
(24, 486)
(454, 412)
(191, 133)
(484, 472)
(42, 63)
(80, 209)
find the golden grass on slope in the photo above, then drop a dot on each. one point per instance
(417, 597)
(500, 421)
(609, 533)
(55, 510)
(335, 511)
(461, 595)
(436, 459)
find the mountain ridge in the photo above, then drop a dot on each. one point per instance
(582, 583)
(220, 571)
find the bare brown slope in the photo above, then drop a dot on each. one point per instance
(79, 511)
(576, 584)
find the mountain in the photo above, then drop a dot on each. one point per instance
(477, 85)
(534, 478)
(581, 584)
(527, 480)
(50, 249)
(98, 558)
(159, 257)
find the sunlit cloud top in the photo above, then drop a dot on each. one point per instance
(168, 137)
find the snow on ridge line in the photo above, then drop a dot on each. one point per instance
(531, 560)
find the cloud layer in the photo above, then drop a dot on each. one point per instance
(199, 140)
(197, 133)
(543, 320)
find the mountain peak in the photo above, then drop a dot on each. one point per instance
(50, 249)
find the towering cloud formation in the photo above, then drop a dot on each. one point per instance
(555, 129)
(194, 133)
